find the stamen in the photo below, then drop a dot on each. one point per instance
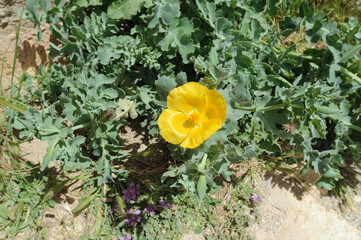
(194, 118)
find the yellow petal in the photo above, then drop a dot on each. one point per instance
(187, 98)
(215, 108)
(174, 126)
(201, 133)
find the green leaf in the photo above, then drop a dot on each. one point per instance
(109, 93)
(318, 127)
(166, 10)
(125, 109)
(222, 25)
(179, 37)
(49, 156)
(45, 5)
(105, 53)
(3, 212)
(124, 9)
(326, 183)
(256, 30)
(352, 51)
(201, 188)
(244, 60)
(181, 78)
(87, 3)
(240, 93)
(32, 6)
(272, 8)
(208, 11)
(198, 229)
(164, 85)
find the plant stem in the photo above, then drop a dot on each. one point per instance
(203, 163)
(80, 126)
(352, 75)
(16, 107)
(269, 108)
(16, 50)
(352, 126)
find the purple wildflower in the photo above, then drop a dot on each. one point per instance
(303, 135)
(131, 193)
(116, 208)
(127, 237)
(110, 211)
(151, 209)
(256, 198)
(133, 218)
(136, 188)
(293, 144)
(164, 205)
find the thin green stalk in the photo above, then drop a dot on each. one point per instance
(80, 126)
(1, 77)
(203, 163)
(8, 64)
(352, 126)
(269, 108)
(352, 75)
(16, 50)
(16, 107)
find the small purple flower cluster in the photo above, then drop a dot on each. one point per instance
(256, 198)
(133, 218)
(164, 205)
(131, 193)
(127, 237)
(115, 208)
(151, 209)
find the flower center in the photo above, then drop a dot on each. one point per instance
(194, 118)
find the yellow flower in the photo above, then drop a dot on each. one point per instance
(194, 114)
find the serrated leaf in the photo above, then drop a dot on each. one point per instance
(352, 51)
(208, 11)
(109, 93)
(105, 53)
(124, 9)
(166, 11)
(179, 37)
(222, 25)
(318, 127)
(326, 183)
(240, 93)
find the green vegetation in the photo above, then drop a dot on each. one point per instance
(289, 74)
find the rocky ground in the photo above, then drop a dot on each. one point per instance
(289, 211)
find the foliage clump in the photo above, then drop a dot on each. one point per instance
(280, 102)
